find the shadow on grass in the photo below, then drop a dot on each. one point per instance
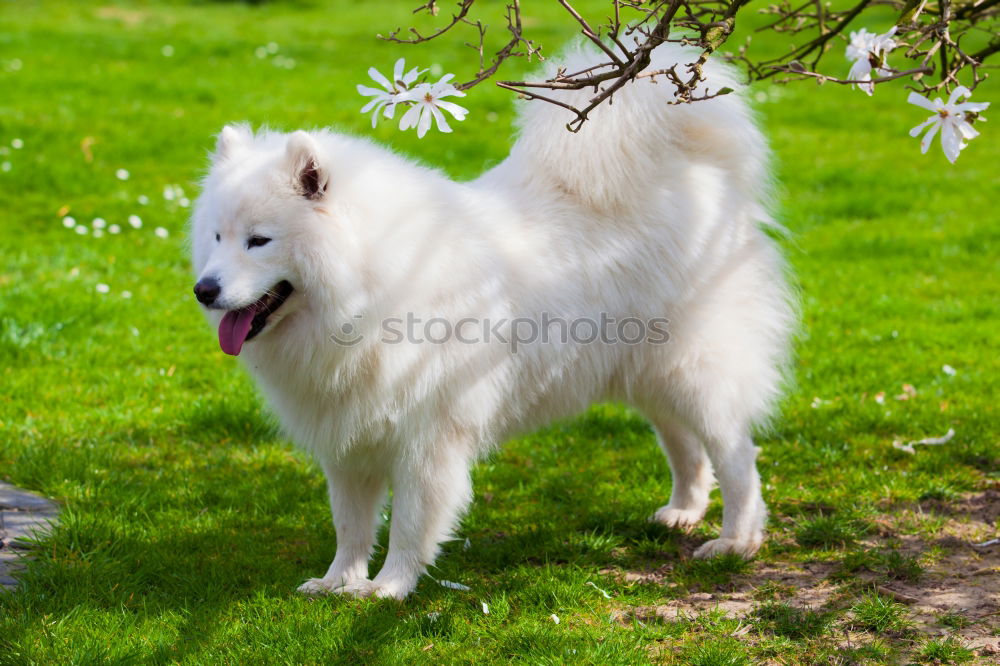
(194, 523)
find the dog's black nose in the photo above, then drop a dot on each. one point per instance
(207, 290)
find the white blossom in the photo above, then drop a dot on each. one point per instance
(99, 223)
(102, 288)
(17, 144)
(392, 93)
(135, 221)
(114, 229)
(68, 222)
(867, 46)
(428, 104)
(161, 232)
(950, 119)
(122, 174)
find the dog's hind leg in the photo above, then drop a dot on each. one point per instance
(691, 473)
(355, 499)
(709, 398)
(430, 492)
(743, 512)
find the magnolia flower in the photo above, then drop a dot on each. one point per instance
(425, 99)
(427, 106)
(864, 48)
(393, 92)
(950, 119)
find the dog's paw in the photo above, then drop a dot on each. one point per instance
(359, 589)
(679, 518)
(315, 587)
(320, 587)
(745, 548)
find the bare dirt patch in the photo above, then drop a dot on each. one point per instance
(958, 594)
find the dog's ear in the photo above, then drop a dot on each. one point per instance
(302, 157)
(231, 139)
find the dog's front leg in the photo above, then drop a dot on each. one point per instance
(430, 492)
(356, 496)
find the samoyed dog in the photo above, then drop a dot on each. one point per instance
(319, 255)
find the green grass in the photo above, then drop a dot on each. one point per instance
(878, 614)
(784, 620)
(946, 651)
(188, 521)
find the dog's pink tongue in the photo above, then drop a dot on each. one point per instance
(234, 328)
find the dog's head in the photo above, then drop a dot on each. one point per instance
(253, 223)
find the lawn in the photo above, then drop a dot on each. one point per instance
(188, 521)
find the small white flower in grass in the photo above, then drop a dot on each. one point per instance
(260, 52)
(126, 294)
(98, 233)
(167, 51)
(272, 47)
(428, 104)
(69, 222)
(393, 92)
(168, 192)
(161, 232)
(135, 221)
(122, 174)
(143, 200)
(80, 229)
(554, 618)
(99, 223)
(6, 166)
(865, 49)
(948, 370)
(950, 119)
(17, 144)
(183, 202)
(114, 229)
(102, 288)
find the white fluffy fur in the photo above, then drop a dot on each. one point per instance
(652, 210)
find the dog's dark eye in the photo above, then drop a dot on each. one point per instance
(257, 241)
(217, 238)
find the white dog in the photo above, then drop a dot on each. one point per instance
(312, 250)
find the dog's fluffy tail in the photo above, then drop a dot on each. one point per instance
(637, 142)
